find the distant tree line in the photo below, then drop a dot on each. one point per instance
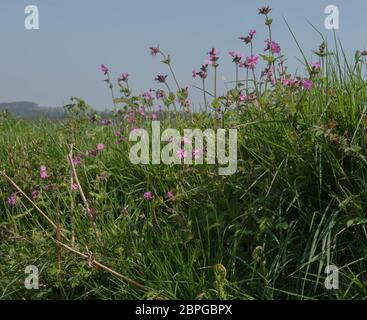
(31, 110)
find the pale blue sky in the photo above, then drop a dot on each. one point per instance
(62, 59)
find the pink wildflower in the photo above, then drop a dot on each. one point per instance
(181, 153)
(12, 200)
(154, 116)
(104, 69)
(248, 39)
(316, 65)
(78, 160)
(252, 33)
(106, 122)
(134, 129)
(307, 84)
(147, 96)
(124, 77)
(35, 194)
(185, 140)
(92, 153)
(170, 196)
(142, 111)
(237, 57)
(148, 195)
(161, 78)
(159, 94)
(288, 82)
(100, 146)
(213, 57)
(43, 172)
(197, 153)
(274, 46)
(264, 10)
(154, 51)
(250, 62)
(242, 96)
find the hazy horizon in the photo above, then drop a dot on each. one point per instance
(62, 59)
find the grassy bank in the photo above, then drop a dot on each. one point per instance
(296, 204)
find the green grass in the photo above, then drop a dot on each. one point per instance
(296, 204)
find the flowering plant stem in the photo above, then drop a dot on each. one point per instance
(174, 76)
(236, 76)
(112, 94)
(255, 84)
(204, 94)
(215, 82)
(173, 103)
(168, 62)
(271, 54)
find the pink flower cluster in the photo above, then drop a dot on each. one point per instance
(250, 62)
(237, 57)
(273, 46)
(12, 200)
(123, 78)
(203, 73)
(93, 153)
(104, 69)
(248, 39)
(213, 57)
(43, 172)
(148, 196)
(306, 84)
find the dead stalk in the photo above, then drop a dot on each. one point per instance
(58, 235)
(71, 202)
(95, 263)
(86, 205)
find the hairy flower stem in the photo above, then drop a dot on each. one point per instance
(204, 94)
(247, 80)
(271, 54)
(215, 82)
(173, 103)
(112, 95)
(127, 87)
(171, 69)
(255, 84)
(237, 103)
(253, 73)
(170, 93)
(174, 76)
(236, 76)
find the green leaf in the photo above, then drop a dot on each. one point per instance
(216, 103)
